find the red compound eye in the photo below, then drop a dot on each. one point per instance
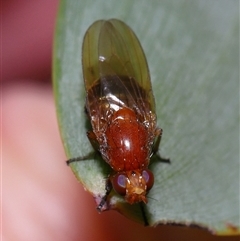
(119, 183)
(149, 178)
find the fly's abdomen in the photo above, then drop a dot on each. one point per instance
(111, 93)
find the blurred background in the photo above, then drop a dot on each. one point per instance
(41, 197)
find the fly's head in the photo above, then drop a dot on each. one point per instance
(133, 185)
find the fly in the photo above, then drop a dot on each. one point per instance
(121, 108)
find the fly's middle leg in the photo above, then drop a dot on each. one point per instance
(158, 137)
(81, 158)
(93, 140)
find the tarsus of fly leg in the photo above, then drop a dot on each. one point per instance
(81, 158)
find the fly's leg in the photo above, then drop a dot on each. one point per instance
(108, 189)
(81, 158)
(93, 140)
(158, 136)
(143, 214)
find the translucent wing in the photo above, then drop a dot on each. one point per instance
(115, 71)
(121, 53)
(90, 56)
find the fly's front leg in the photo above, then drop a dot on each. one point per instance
(158, 136)
(145, 220)
(108, 189)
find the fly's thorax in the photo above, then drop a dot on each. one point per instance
(129, 142)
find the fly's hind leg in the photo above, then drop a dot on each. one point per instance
(93, 140)
(158, 136)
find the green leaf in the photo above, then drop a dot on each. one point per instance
(193, 56)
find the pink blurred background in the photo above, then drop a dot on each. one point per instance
(41, 197)
(27, 33)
